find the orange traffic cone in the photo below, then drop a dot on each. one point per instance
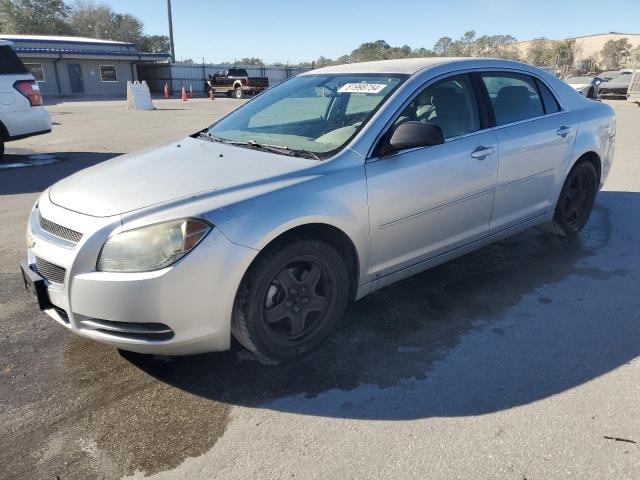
(190, 91)
(184, 94)
(166, 90)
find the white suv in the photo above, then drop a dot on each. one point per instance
(21, 111)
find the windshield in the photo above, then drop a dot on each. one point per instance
(312, 114)
(579, 80)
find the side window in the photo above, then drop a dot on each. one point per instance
(450, 104)
(514, 96)
(548, 99)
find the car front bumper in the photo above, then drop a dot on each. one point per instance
(182, 309)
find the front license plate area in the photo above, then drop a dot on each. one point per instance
(35, 284)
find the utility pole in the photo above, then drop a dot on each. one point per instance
(172, 50)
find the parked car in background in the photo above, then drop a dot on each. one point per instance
(323, 189)
(236, 82)
(21, 112)
(586, 86)
(609, 74)
(616, 87)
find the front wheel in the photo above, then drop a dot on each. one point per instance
(576, 201)
(290, 299)
(239, 93)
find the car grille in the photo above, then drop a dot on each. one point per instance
(621, 91)
(50, 271)
(59, 231)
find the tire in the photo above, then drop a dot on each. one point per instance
(575, 202)
(239, 93)
(290, 299)
(591, 93)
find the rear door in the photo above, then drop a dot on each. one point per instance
(535, 140)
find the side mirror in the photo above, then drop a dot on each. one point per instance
(414, 134)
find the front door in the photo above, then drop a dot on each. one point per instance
(75, 77)
(427, 201)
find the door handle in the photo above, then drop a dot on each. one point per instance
(564, 131)
(480, 153)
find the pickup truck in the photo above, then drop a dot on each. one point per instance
(236, 82)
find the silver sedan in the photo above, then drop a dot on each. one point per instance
(325, 188)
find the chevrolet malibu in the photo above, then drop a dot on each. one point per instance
(325, 188)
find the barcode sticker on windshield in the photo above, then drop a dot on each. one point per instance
(362, 88)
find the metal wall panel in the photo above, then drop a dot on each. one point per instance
(194, 75)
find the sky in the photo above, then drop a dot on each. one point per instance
(294, 31)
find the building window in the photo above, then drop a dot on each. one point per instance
(108, 73)
(36, 71)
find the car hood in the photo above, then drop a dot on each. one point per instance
(141, 179)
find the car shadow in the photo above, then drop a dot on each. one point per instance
(507, 325)
(31, 173)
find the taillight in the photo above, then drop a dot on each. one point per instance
(31, 91)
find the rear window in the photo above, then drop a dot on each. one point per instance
(548, 100)
(9, 62)
(237, 72)
(514, 97)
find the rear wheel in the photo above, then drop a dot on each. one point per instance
(239, 93)
(576, 201)
(290, 300)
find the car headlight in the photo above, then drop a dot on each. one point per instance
(152, 247)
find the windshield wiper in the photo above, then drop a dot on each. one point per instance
(210, 137)
(279, 149)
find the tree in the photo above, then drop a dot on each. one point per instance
(540, 52)
(467, 41)
(422, 53)
(564, 52)
(615, 52)
(34, 17)
(443, 46)
(154, 44)
(100, 21)
(251, 61)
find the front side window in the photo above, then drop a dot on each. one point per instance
(514, 97)
(36, 71)
(311, 113)
(450, 104)
(108, 73)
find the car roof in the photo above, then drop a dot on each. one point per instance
(411, 66)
